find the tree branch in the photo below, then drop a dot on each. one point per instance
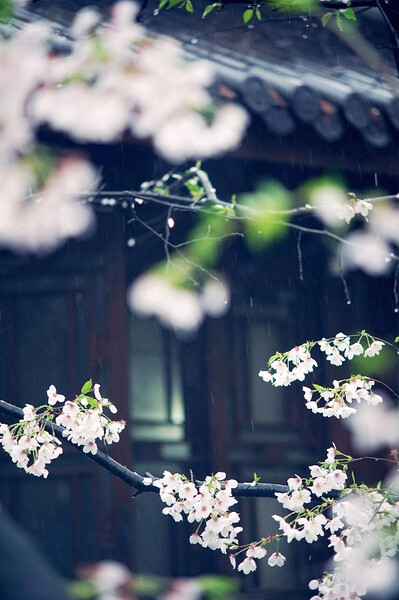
(337, 4)
(133, 479)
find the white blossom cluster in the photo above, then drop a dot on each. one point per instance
(118, 78)
(29, 445)
(309, 524)
(336, 401)
(42, 220)
(85, 422)
(289, 367)
(332, 205)
(364, 537)
(340, 348)
(209, 503)
(34, 217)
(368, 248)
(182, 309)
(32, 448)
(363, 528)
(295, 364)
(371, 248)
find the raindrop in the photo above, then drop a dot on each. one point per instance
(171, 222)
(155, 12)
(131, 242)
(395, 289)
(305, 37)
(194, 41)
(250, 26)
(299, 251)
(376, 179)
(125, 204)
(342, 277)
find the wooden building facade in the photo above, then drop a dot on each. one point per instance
(196, 403)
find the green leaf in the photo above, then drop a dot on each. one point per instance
(349, 13)
(87, 387)
(162, 3)
(206, 238)
(396, 339)
(41, 163)
(92, 402)
(207, 10)
(100, 50)
(189, 6)
(339, 22)
(6, 8)
(256, 478)
(326, 18)
(273, 358)
(318, 388)
(172, 3)
(265, 207)
(377, 365)
(258, 14)
(295, 5)
(215, 587)
(248, 14)
(164, 191)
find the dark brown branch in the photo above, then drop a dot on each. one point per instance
(134, 480)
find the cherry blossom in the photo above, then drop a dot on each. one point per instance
(332, 205)
(31, 447)
(182, 309)
(80, 97)
(335, 401)
(364, 250)
(295, 364)
(53, 396)
(107, 85)
(276, 559)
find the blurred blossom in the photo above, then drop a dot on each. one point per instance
(329, 202)
(177, 307)
(120, 79)
(88, 113)
(215, 298)
(23, 64)
(153, 295)
(115, 79)
(40, 222)
(85, 21)
(373, 427)
(108, 575)
(183, 589)
(366, 251)
(384, 222)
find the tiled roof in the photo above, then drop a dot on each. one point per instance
(289, 71)
(288, 78)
